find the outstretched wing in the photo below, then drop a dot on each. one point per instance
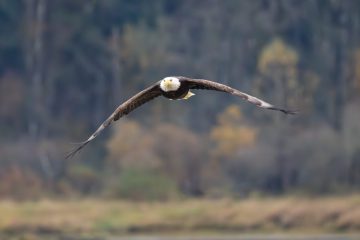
(210, 85)
(125, 108)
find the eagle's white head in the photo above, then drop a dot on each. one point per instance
(170, 84)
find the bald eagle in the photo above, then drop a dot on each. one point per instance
(173, 88)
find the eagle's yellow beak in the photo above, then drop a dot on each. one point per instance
(168, 84)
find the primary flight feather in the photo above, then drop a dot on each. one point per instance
(172, 88)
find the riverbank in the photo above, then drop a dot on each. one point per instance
(254, 215)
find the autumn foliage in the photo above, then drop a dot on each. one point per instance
(66, 65)
(232, 134)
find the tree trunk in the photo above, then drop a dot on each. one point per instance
(117, 95)
(35, 26)
(35, 22)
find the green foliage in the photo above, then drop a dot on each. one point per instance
(63, 70)
(173, 150)
(83, 179)
(142, 184)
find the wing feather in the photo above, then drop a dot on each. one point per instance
(210, 85)
(125, 108)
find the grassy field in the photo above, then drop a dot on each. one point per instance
(101, 217)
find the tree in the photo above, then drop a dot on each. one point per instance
(229, 135)
(231, 138)
(279, 73)
(36, 20)
(279, 76)
(166, 149)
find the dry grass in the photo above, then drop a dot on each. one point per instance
(332, 214)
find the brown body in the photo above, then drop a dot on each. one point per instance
(178, 94)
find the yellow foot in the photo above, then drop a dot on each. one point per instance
(188, 95)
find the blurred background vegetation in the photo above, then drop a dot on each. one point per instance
(65, 65)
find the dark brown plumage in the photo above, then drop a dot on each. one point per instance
(173, 88)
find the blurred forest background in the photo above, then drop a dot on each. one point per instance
(65, 65)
